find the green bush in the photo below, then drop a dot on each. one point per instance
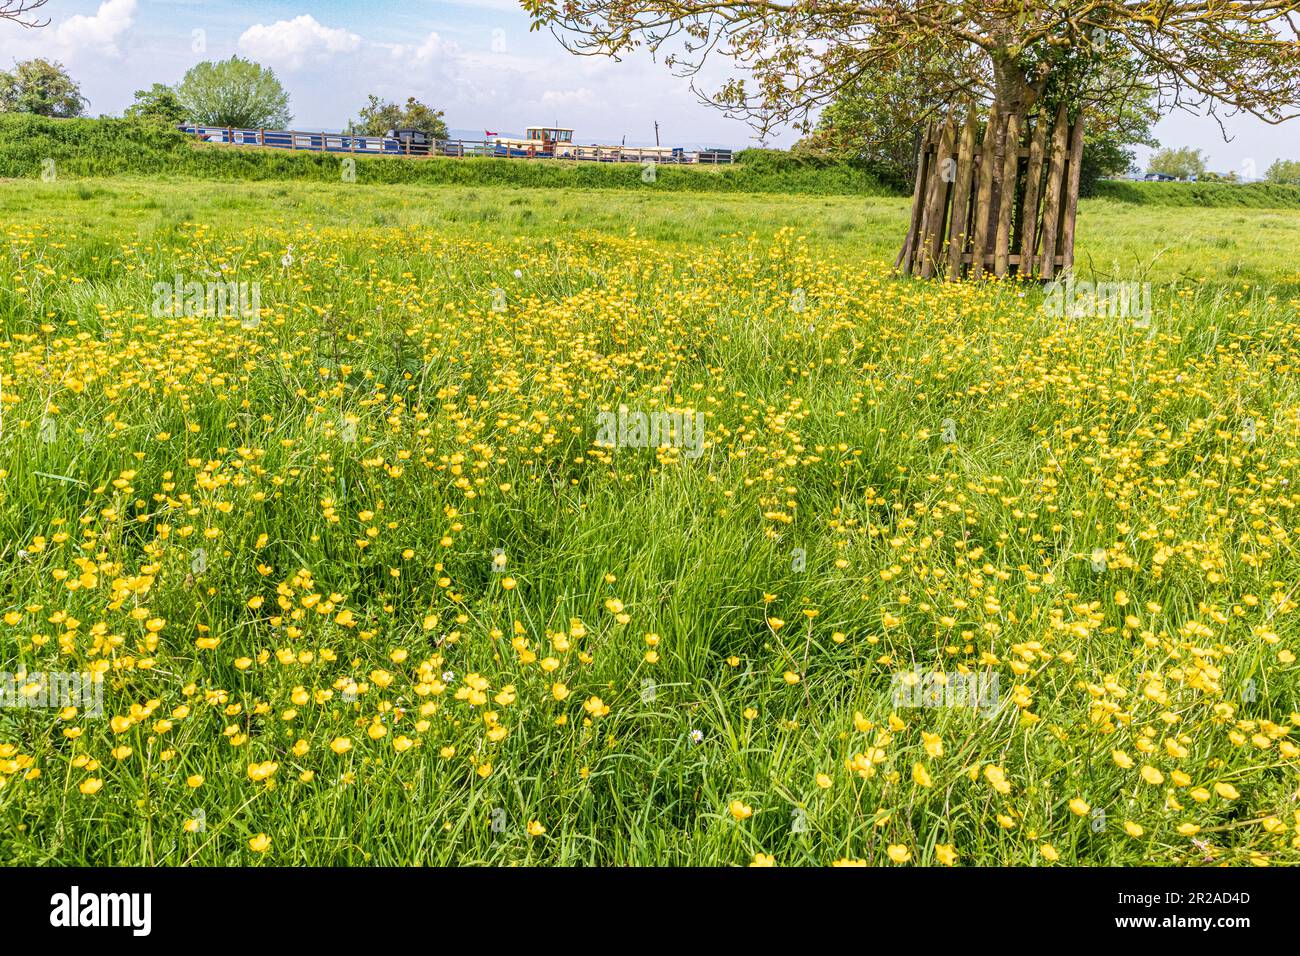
(804, 163)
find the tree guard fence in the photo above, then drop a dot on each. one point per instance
(1002, 206)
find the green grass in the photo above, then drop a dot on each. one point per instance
(933, 469)
(1116, 240)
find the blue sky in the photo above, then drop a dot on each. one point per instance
(474, 59)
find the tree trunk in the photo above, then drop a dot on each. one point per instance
(1012, 94)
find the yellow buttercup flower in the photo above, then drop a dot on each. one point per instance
(898, 853)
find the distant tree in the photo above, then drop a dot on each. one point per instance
(42, 87)
(159, 102)
(1182, 163)
(378, 116)
(234, 92)
(1284, 171)
(19, 11)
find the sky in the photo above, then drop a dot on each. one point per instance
(474, 59)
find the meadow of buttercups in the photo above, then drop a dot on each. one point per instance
(358, 580)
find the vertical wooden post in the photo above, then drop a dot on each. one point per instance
(1052, 203)
(1007, 201)
(1072, 196)
(959, 219)
(984, 196)
(1033, 189)
(937, 202)
(918, 190)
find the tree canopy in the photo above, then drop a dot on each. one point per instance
(234, 92)
(159, 102)
(42, 87)
(1181, 163)
(1284, 171)
(796, 56)
(377, 117)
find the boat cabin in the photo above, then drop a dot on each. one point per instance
(549, 134)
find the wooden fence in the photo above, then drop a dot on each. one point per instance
(969, 218)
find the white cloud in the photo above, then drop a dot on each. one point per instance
(98, 33)
(292, 43)
(433, 49)
(569, 99)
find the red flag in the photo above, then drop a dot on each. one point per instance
(488, 132)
